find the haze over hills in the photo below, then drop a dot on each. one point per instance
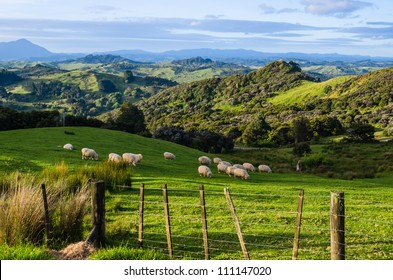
(25, 50)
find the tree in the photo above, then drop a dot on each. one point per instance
(301, 130)
(301, 148)
(131, 119)
(256, 131)
(361, 133)
(128, 77)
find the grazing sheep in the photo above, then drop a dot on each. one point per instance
(239, 166)
(264, 168)
(114, 158)
(89, 154)
(241, 173)
(132, 158)
(217, 160)
(204, 160)
(68, 147)
(168, 155)
(249, 167)
(222, 168)
(226, 163)
(230, 170)
(204, 171)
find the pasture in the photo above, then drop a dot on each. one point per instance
(266, 203)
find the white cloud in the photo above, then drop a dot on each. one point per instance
(336, 8)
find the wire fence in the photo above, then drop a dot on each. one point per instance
(267, 223)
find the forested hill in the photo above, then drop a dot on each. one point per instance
(268, 100)
(221, 102)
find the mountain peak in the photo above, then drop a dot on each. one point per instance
(22, 49)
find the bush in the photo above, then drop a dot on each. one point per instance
(313, 161)
(360, 133)
(300, 149)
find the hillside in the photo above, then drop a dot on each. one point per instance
(80, 91)
(218, 103)
(277, 93)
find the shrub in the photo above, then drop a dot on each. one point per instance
(302, 148)
(313, 161)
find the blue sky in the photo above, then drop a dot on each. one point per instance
(308, 26)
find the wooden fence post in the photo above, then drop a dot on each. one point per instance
(337, 225)
(204, 221)
(141, 209)
(46, 209)
(298, 225)
(167, 220)
(97, 234)
(237, 223)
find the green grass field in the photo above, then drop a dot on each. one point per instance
(266, 204)
(306, 91)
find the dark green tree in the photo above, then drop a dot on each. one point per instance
(256, 131)
(130, 119)
(361, 133)
(301, 130)
(128, 77)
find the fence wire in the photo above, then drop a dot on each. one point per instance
(267, 221)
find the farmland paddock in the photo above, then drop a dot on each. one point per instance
(238, 225)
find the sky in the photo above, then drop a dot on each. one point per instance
(308, 26)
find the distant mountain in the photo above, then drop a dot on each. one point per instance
(21, 49)
(240, 55)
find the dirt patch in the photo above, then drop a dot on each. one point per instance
(75, 251)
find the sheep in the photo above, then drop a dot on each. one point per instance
(230, 170)
(217, 160)
(264, 168)
(222, 168)
(249, 167)
(168, 155)
(204, 160)
(204, 171)
(132, 158)
(114, 158)
(226, 163)
(238, 172)
(68, 147)
(239, 166)
(89, 154)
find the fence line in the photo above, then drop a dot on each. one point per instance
(267, 231)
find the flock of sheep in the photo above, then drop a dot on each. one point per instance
(236, 170)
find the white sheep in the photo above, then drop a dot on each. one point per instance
(249, 167)
(132, 158)
(204, 160)
(204, 171)
(226, 163)
(68, 147)
(239, 166)
(114, 158)
(217, 160)
(89, 154)
(222, 168)
(264, 168)
(230, 170)
(241, 173)
(168, 155)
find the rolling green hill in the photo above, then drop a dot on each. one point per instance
(278, 93)
(266, 203)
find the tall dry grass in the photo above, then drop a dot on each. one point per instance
(22, 217)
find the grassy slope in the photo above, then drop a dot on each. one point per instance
(268, 199)
(305, 91)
